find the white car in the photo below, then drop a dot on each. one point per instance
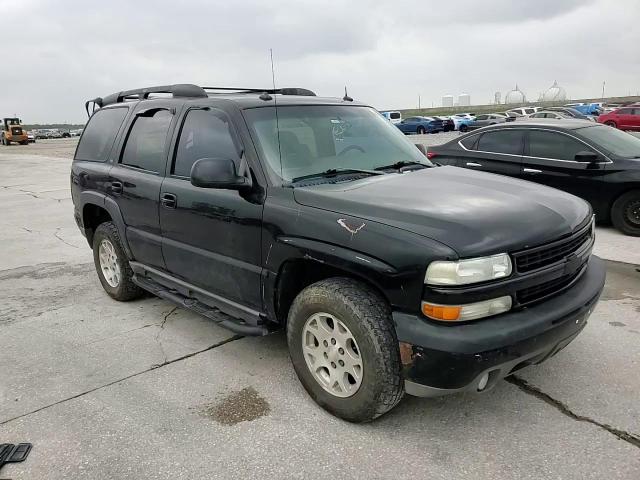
(524, 110)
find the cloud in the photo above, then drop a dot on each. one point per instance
(388, 53)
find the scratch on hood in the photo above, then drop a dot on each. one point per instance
(352, 230)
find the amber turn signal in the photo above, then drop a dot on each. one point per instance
(441, 312)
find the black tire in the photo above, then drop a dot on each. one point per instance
(464, 128)
(368, 316)
(125, 290)
(611, 123)
(625, 213)
(420, 130)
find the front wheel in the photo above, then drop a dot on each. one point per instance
(420, 130)
(112, 265)
(344, 349)
(611, 123)
(464, 128)
(625, 213)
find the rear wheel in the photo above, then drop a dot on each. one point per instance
(112, 264)
(344, 348)
(625, 213)
(421, 130)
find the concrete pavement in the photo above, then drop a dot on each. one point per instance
(131, 390)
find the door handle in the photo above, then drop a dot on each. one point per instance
(531, 170)
(169, 200)
(473, 164)
(116, 188)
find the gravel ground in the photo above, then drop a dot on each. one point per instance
(146, 390)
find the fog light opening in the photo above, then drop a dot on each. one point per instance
(484, 380)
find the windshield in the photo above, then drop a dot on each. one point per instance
(317, 138)
(613, 140)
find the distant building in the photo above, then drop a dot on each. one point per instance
(464, 100)
(497, 98)
(447, 101)
(555, 93)
(515, 96)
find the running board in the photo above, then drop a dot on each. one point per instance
(212, 313)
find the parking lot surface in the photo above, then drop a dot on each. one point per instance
(147, 390)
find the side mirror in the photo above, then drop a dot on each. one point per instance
(218, 173)
(586, 156)
(422, 148)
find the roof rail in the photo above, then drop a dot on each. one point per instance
(183, 90)
(179, 90)
(282, 91)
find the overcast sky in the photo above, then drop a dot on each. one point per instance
(59, 53)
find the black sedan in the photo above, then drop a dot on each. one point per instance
(593, 161)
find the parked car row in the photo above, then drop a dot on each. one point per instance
(592, 161)
(45, 133)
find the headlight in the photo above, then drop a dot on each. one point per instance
(473, 270)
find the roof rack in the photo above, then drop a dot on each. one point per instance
(183, 90)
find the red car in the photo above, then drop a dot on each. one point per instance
(625, 118)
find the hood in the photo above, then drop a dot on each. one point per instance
(474, 213)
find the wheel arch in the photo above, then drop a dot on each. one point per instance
(304, 262)
(97, 208)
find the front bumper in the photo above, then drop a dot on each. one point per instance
(439, 359)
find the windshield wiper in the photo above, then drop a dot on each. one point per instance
(401, 164)
(332, 172)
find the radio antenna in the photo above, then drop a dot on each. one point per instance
(275, 102)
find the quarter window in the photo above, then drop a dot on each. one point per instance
(470, 142)
(146, 142)
(502, 141)
(205, 134)
(100, 133)
(554, 145)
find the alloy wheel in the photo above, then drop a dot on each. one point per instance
(109, 263)
(332, 354)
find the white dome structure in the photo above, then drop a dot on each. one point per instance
(515, 96)
(554, 94)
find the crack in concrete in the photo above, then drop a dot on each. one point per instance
(526, 387)
(55, 234)
(161, 325)
(153, 367)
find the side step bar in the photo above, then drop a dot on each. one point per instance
(234, 324)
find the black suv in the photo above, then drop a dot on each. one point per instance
(268, 209)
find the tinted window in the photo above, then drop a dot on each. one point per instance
(482, 117)
(470, 142)
(502, 141)
(394, 115)
(100, 133)
(205, 134)
(554, 145)
(624, 111)
(146, 141)
(615, 141)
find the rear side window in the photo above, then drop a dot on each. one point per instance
(470, 142)
(205, 134)
(554, 145)
(100, 133)
(146, 141)
(394, 115)
(501, 141)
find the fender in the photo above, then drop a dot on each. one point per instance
(288, 248)
(110, 205)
